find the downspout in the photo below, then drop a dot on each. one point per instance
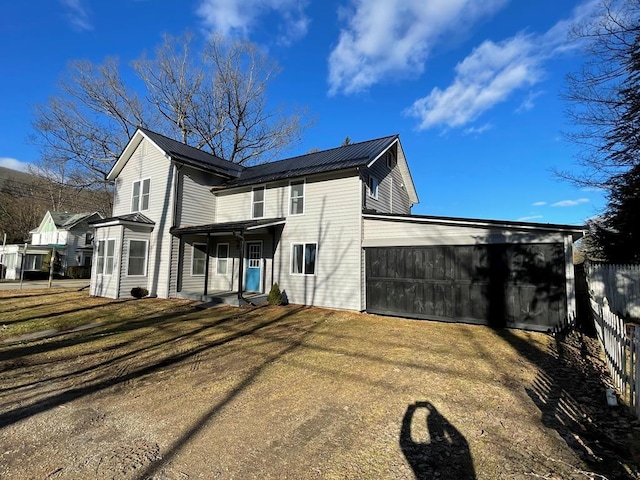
(174, 216)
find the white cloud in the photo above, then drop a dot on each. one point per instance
(484, 78)
(385, 38)
(570, 203)
(529, 218)
(539, 204)
(528, 103)
(77, 14)
(14, 164)
(478, 130)
(238, 17)
(493, 72)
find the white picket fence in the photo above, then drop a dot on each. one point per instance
(621, 344)
(619, 284)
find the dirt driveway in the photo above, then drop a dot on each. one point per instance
(300, 393)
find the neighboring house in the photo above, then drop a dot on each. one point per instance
(332, 228)
(70, 234)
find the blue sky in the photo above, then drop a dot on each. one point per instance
(472, 87)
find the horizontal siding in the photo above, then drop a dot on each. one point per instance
(380, 233)
(106, 285)
(196, 203)
(332, 220)
(392, 194)
(127, 282)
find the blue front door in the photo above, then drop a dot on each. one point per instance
(254, 261)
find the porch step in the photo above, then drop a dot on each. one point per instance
(225, 298)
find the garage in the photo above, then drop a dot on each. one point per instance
(502, 274)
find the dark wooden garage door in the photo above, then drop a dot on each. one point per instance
(515, 285)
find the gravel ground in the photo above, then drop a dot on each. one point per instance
(293, 392)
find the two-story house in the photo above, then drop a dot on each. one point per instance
(333, 228)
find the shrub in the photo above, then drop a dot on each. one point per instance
(139, 292)
(275, 296)
(79, 271)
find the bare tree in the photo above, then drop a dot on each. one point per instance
(593, 94)
(215, 100)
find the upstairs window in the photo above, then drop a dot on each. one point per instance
(373, 187)
(140, 196)
(296, 197)
(257, 202)
(391, 159)
(88, 238)
(303, 258)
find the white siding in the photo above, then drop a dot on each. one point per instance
(196, 203)
(392, 193)
(331, 219)
(107, 285)
(127, 282)
(388, 232)
(148, 161)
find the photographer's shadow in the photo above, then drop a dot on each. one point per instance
(445, 455)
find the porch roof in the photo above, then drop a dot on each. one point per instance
(229, 227)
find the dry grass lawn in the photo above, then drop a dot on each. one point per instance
(164, 390)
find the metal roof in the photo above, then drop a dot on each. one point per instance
(340, 158)
(136, 217)
(193, 156)
(64, 219)
(227, 227)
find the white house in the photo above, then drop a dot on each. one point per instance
(332, 228)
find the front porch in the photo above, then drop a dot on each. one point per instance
(226, 298)
(227, 263)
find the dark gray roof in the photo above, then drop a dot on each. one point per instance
(136, 217)
(66, 220)
(194, 156)
(340, 158)
(226, 227)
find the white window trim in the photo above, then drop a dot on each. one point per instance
(104, 262)
(141, 182)
(146, 256)
(304, 244)
(264, 200)
(304, 196)
(193, 256)
(225, 258)
(373, 193)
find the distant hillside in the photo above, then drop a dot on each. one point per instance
(25, 198)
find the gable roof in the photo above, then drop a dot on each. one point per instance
(339, 158)
(68, 220)
(178, 152)
(361, 154)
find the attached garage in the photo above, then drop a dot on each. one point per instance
(503, 274)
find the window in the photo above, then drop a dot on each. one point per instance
(296, 197)
(106, 254)
(373, 187)
(303, 258)
(137, 258)
(391, 159)
(222, 256)
(257, 203)
(198, 259)
(140, 197)
(88, 238)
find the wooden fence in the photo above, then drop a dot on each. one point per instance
(619, 284)
(621, 344)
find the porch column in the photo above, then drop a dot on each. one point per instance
(180, 264)
(206, 265)
(240, 262)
